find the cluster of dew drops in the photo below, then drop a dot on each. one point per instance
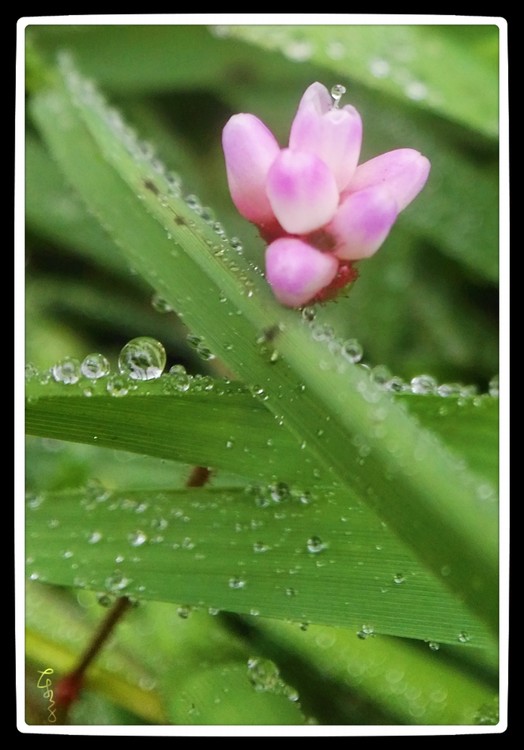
(351, 351)
(141, 359)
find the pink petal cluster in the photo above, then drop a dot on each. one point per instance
(316, 207)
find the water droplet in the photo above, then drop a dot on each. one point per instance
(117, 582)
(183, 612)
(433, 645)
(137, 538)
(279, 492)
(142, 358)
(31, 371)
(264, 675)
(260, 547)
(309, 314)
(323, 332)
(34, 501)
(236, 583)
(464, 637)
(95, 366)
(105, 600)
(337, 92)
(182, 380)
(449, 389)
(399, 578)
(352, 351)
(200, 347)
(236, 244)
(160, 304)
(66, 371)
(423, 384)
(493, 387)
(230, 443)
(395, 384)
(117, 386)
(194, 203)
(365, 632)
(315, 545)
(94, 537)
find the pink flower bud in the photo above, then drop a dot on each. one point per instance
(249, 149)
(403, 171)
(362, 222)
(302, 191)
(334, 135)
(297, 272)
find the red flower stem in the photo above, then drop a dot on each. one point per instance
(70, 685)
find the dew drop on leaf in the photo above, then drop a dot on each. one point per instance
(95, 366)
(66, 371)
(142, 358)
(235, 582)
(117, 386)
(423, 384)
(315, 545)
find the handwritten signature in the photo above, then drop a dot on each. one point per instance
(45, 685)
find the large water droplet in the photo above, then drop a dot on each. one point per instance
(142, 358)
(66, 371)
(95, 366)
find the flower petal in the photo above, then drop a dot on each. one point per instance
(302, 191)
(296, 271)
(334, 135)
(249, 149)
(362, 222)
(403, 171)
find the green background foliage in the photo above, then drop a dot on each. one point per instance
(341, 568)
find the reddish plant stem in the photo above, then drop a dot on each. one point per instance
(69, 686)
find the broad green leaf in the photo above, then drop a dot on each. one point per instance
(262, 551)
(212, 423)
(220, 424)
(371, 445)
(419, 64)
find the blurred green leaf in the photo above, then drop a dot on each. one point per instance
(423, 65)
